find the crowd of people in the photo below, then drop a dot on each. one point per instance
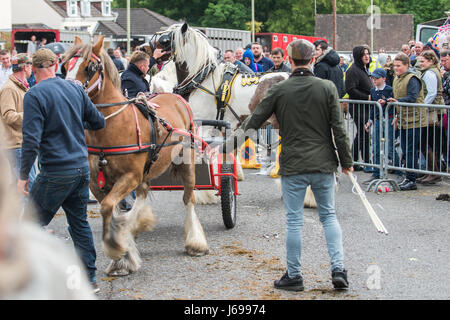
(417, 74)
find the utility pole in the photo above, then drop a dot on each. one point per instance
(334, 27)
(128, 28)
(253, 21)
(371, 26)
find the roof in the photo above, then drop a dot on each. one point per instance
(436, 22)
(110, 28)
(31, 26)
(143, 21)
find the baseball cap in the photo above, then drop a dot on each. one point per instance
(20, 60)
(301, 49)
(44, 58)
(379, 73)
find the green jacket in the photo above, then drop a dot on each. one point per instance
(310, 116)
(409, 118)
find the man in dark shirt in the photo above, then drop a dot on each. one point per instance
(259, 57)
(119, 65)
(55, 114)
(278, 61)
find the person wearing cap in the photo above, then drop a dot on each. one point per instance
(55, 114)
(312, 127)
(381, 92)
(11, 106)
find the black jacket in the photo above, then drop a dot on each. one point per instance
(357, 79)
(283, 68)
(119, 65)
(133, 81)
(328, 68)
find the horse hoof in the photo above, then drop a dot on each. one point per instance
(195, 252)
(119, 273)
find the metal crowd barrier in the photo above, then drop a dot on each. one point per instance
(386, 149)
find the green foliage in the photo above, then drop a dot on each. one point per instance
(286, 16)
(226, 14)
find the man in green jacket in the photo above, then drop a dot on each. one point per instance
(311, 127)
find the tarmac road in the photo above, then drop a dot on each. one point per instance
(412, 262)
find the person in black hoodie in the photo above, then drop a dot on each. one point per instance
(358, 85)
(327, 66)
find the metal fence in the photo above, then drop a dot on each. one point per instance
(403, 138)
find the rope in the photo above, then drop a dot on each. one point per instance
(117, 112)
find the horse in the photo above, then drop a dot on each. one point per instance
(193, 55)
(205, 81)
(33, 263)
(127, 154)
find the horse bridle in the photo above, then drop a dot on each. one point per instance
(95, 65)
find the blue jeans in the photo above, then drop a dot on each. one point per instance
(410, 141)
(16, 160)
(68, 189)
(294, 190)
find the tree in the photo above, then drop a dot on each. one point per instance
(225, 14)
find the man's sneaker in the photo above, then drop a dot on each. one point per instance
(408, 185)
(339, 279)
(290, 284)
(95, 288)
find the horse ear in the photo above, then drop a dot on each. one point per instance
(77, 41)
(184, 27)
(98, 47)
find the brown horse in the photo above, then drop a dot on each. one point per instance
(123, 145)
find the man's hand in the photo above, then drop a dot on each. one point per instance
(22, 187)
(158, 53)
(392, 100)
(382, 102)
(347, 170)
(367, 126)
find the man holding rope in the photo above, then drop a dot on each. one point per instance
(309, 114)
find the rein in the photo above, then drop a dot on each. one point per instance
(223, 93)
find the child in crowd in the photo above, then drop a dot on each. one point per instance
(380, 93)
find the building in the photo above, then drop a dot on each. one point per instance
(72, 15)
(390, 30)
(144, 23)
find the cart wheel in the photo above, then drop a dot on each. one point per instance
(227, 197)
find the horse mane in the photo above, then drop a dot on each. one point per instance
(109, 67)
(193, 48)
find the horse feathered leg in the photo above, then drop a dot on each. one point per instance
(194, 236)
(119, 228)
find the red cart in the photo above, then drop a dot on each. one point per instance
(210, 172)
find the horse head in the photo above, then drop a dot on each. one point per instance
(90, 65)
(189, 47)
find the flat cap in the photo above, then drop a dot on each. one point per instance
(44, 58)
(301, 49)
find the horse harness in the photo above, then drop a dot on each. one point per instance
(147, 108)
(222, 95)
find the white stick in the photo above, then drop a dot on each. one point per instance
(375, 219)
